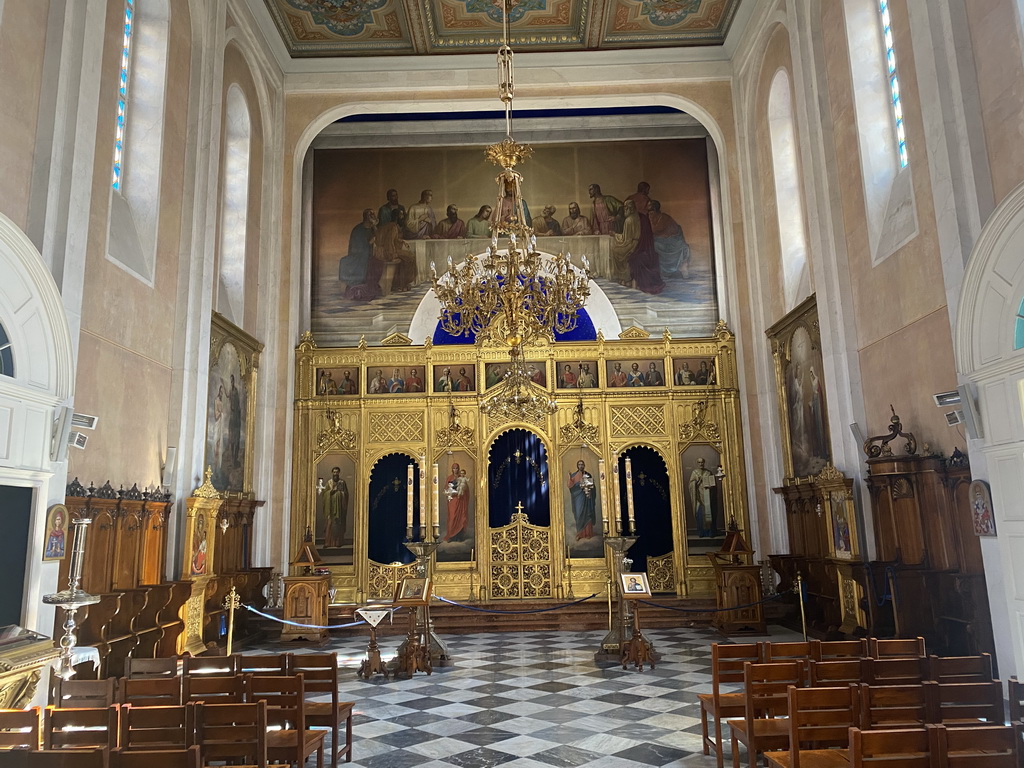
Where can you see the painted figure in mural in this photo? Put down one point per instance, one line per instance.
(378, 384)
(634, 585)
(981, 514)
(334, 497)
(635, 377)
(54, 549)
(480, 225)
(702, 481)
(413, 382)
(321, 383)
(816, 407)
(419, 224)
(669, 242)
(457, 492)
(617, 377)
(567, 378)
(606, 216)
(587, 379)
(234, 422)
(352, 268)
(841, 533)
(535, 374)
(797, 405)
(451, 227)
(348, 384)
(548, 225)
(644, 268)
(396, 383)
(199, 546)
(583, 494)
(653, 377)
(391, 210)
(495, 373)
(684, 376)
(574, 223)
(703, 374)
(624, 244)
(390, 248)
(445, 382)
(220, 425)
(332, 385)
(463, 383)
(641, 197)
(506, 204)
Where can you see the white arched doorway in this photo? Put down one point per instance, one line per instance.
(990, 299)
(32, 401)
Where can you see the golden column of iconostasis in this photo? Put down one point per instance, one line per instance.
(342, 422)
(198, 562)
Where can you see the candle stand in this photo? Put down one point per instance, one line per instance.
(424, 627)
(71, 599)
(611, 645)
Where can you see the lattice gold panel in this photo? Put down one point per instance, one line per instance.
(384, 579)
(396, 427)
(521, 560)
(638, 420)
(661, 573)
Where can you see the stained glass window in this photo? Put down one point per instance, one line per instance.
(6, 354)
(894, 83)
(1018, 331)
(122, 93)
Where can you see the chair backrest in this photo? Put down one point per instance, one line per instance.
(990, 746)
(19, 728)
(965, 704)
(960, 669)
(78, 728)
(893, 706)
(276, 664)
(837, 672)
(821, 717)
(138, 668)
(144, 728)
(894, 671)
(214, 689)
(792, 651)
(61, 758)
(843, 649)
(284, 696)
(727, 663)
(79, 694)
(164, 758)
(766, 686)
(896, 648)
(232, 731)
(1016, 699)
(319, 671)
(900, 748)
(149, 691)
(222, 666)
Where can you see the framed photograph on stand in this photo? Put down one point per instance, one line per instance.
(634, 585)
(413, 590)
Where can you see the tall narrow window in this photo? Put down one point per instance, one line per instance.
(122, 91)
(6, 354)
(894, 82)
(234, 205)
(1018, 331)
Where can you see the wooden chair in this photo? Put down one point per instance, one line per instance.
(285, 697)
(792, 651)
(896, 648)
(1016, 700)
(726, 667)
(82, 694)
(149, 728)
(79, 728)
(991, 746)
(320, 675)
(901, 748)
(837, 672)
(164, 758)
(271, 664)
(960, 669)
(819, 728)
(888, 707)
(894, 671)
(233, 732)
(149, 691)
(19, 729)
(965, 704)
(214, 689)
(135, 669)
(60, 758)
(764, 726)
(842, 649)
(214, 666)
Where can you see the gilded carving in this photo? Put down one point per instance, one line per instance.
(335, 434)
(383, 579)
(396, 427)
(661, 572)
(633, 332)
(206, 490)
(638, 420)
(521, 560)
(699, 426)
(396, 339)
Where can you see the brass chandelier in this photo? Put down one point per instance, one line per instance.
(515, 294)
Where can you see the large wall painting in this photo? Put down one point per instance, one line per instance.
(333, 523)
(641, 211)
(584, 534)
(457, 516)
(234, 361)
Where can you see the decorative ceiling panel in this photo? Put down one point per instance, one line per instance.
(385, 27)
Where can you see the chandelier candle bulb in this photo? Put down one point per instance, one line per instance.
(408, 506)
(603, 481)
(629, 496)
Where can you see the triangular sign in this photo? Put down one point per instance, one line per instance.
(373, 616)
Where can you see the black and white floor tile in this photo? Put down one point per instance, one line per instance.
(531, 700)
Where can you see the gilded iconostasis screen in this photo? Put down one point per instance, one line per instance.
(640, 210)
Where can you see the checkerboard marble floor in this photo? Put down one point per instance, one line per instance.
(531, 700)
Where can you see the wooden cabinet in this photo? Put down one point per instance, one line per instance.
(305, 602)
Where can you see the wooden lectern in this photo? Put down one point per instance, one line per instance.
(737, 588)
(306, 597)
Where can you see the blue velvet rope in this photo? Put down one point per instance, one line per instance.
(537, 610)
(296, 624)
(710, 610)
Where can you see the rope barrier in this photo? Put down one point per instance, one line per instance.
(710, 610)
(297, 624)
(536, 610)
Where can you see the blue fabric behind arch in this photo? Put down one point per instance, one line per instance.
(388, 507)
(511, 481)
(584, 331)
(651, 504)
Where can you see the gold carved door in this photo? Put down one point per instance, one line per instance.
(520, 560)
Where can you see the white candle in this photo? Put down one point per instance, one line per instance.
(408, 506)
(435, 512)
(629, 496)
(423, 496)
(617, 495)
(602, 485)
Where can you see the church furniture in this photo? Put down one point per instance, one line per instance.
(966, 704)
(737, 588)
(1016, 691)
(19, 729)
(156, 727)
(842, 649)
(992, 746)
(232, 732)
(895, 748)
(271, 664)
(727, 665)
(893, 706)
(894, 671)
(810, 650)
(137, 669)
(320, 675)
(218, 666)
(820, 720)
(289, 738)
(834, 672)
(908, 648)
(23, 658)
(79, 728)
(961, 669)
(188, 757)
(60, 758)
(764, 726)
(637, 650)
(149, 691)
(214, 689)
(72, 694)
(305, 602)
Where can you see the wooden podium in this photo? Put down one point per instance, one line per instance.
(737, 588)
(305, 602)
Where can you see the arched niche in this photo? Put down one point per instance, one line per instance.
(388, 506)
(518, 473)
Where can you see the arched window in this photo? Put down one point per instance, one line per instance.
(894, 83)
(122, 90)
(789, 200)
(234, 205)
(1018, 331)
(6, 354)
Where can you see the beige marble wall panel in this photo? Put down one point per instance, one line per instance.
(995, 36)
(22, 46)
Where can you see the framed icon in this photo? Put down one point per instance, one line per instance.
(634, 585)
(413, 591)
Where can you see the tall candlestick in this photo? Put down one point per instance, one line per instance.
(629, 496)
(618, 496)
(423, 497)
(408, 506)
(603, 485)
(435, 512)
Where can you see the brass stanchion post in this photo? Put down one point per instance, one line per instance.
(800, 594)
(231, 602)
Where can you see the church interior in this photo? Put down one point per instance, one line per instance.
(444, 315)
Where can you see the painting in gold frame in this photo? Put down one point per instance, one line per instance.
(796, 347)
(413, 590)
(634, 585)
(57, 519)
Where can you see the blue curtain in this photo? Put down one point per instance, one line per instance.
(651, 505)
(388, 506)
(517, 472)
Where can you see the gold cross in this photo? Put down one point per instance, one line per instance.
(519, 507)
(519, 456)
(643, 477)
(397, 483)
